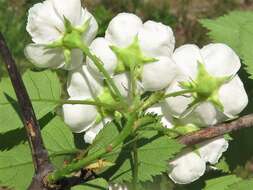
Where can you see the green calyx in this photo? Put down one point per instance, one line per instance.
(206, 87)
(131, 57)
(72, 39)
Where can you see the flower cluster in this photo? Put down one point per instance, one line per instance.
(139, 58)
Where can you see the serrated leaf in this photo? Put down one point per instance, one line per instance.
(235, 30)
(241, 185)
(16, 167)
(40, 85)
(96, 184)
(221, 183)
(154, 151)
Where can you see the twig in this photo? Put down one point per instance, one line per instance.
(40, 156)
(217, 130)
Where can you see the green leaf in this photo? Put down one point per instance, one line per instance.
(241, 185)
(221, 183)
(150, 144)
(96, 184)
(16, 167)
(40, 85)
(235, 30)
(223, 166)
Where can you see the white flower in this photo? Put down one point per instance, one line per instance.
(82, 83)
(187, 168)
(219, 61)
(212, 150)
(190, 166)
(79, 117)
(46, 25)
(155, 40)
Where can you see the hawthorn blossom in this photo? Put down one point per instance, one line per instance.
(129, 42)
(46, 25)
(213, 71)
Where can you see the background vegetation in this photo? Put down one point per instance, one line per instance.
(183, 16)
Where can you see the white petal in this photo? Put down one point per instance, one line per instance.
(156, 39)
(71, 9)
(187, 168)
(203, 115)
(82, 83)
(233, 97)
(176, 105)
(91, 134)
(44, 57)
(122, 82)
(220, 60)
(75, 61)
(158, 75)
(91, 32)
(43, 24)
(79, 117)
(212, 150)
(100, 47)
(187, 57)
(123, 29)
(166, 118)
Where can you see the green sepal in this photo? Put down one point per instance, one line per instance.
(131, 56)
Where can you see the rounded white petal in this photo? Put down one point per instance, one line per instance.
(156, 39)
(220, 60)
(43, 24)
(123, 29)
(233, 97)
(79, 117)
(82, 83)
(176, 105)
(158, 75)
(91, 133)
(187, 168)
(71, 9)
(187, 58)
(203, 115)
(43, 57)
(91, 32)
(100, 47)
(212, 150)
(166, 118)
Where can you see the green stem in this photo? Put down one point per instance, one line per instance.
(136, 166)
(82, 163)
(178, 93)
(159, 96)
(99, 65)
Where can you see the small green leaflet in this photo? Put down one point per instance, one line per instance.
(221, 183)
(235, 30)
(223, 166)
(96, 184)
(154, 151)
(40, 85)
(16, 167)
(242, 185)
